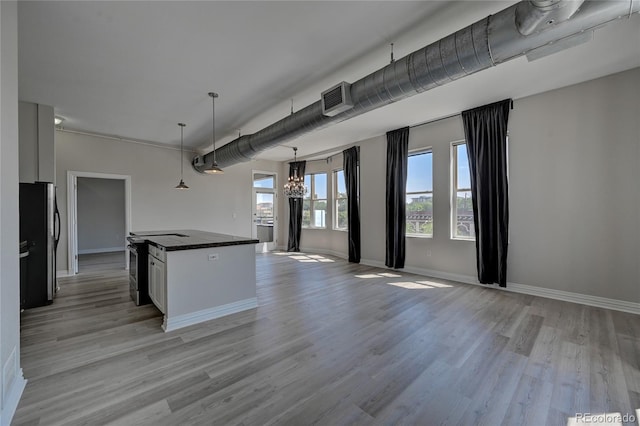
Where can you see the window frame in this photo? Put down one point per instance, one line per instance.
(420, 151)
(313, 201)
(454, 192)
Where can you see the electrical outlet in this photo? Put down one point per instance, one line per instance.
(214, 256)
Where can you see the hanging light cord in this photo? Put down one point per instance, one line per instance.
(181, 149)
(213, 124)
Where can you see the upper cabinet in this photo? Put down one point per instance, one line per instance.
(37, 161)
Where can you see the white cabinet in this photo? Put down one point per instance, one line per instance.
(37, 143)
(158, 282)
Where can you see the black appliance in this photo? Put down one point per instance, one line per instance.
(138, 282)
(40, 229)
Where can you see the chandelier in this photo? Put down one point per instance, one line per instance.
(294, 188)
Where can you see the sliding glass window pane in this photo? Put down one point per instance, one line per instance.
(419, 190)
(419, 172)
(464, 180)
(419, 213)
(342, 213)
(320, 186)
(307, 183)
(464, 215)
(342, 187)
(319, 213)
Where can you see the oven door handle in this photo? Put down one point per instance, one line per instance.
(132, 247)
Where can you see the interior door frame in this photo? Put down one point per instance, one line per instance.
(274, 191)
(72, 213)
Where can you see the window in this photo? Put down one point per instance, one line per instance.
(339, 201)
(462, 207)
(420, 194)
(314, 206)
(263, 180)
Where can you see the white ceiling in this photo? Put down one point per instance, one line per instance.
(135, 69)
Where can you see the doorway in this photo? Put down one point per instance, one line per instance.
(264, 227)
(98, 221)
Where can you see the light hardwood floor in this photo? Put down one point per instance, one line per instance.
(330, 343)
(94, 262)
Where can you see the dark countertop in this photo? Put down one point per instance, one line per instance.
(189, 239)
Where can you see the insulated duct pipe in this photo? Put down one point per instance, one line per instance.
(527, 27)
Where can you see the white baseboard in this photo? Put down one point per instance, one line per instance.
(101, 250)
(12, 398)
(185, 320)
(566, 296)
(62, 273)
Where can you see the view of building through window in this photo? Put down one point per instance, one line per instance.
(340, 201)
(420, 194)
(264, 214)
(314, 206)
(264, 208)
(463, 208)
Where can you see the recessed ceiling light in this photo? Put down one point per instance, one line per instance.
(58, 120)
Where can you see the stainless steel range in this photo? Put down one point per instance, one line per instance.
(138, 282)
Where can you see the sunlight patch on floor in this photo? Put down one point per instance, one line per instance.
(411, 285)
(306, 258)
(434, 284)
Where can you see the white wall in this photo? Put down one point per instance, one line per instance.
(574, 193)
(101, 215)
(11, 380)
(214, 203)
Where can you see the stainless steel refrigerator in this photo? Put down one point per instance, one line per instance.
(40, 229)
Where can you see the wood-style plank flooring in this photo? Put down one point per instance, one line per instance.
(94, 262)
(331, 343)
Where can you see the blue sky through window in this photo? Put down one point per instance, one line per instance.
(263, 182)
(419, 172)
(320, 185)
(342, 188)
(464, 181)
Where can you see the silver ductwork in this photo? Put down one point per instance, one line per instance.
(529, 27)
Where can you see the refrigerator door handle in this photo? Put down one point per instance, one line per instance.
(57, 225)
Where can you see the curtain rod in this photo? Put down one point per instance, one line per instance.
(435, 120)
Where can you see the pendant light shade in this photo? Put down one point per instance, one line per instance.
(213, 169)
(181, 185)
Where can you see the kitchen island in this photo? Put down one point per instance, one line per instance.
(196, 276)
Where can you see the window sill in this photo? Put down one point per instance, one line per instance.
(463, 239)
(340, 230)
(419, 236)
(316, 228)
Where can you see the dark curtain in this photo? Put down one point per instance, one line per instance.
(485, 130)
(295, 210)
(397, 159)
(350, 164)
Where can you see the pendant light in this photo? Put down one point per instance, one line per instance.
(181, 185)
(294, 188)
(213, 169)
